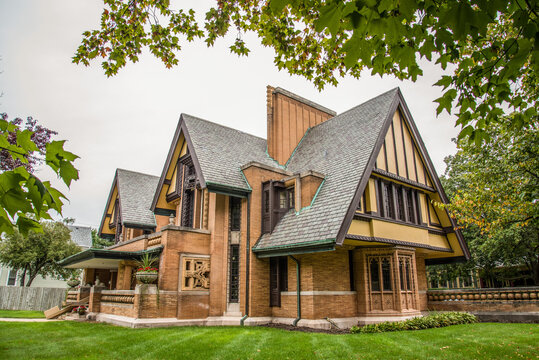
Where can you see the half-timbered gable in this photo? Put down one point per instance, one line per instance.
(127, 211)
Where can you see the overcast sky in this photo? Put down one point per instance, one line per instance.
(128, 121)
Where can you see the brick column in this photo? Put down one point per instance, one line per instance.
(94, 304)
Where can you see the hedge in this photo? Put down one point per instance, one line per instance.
(426, 322)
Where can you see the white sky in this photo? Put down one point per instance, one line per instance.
(128, 121)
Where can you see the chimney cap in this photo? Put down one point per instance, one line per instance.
(310, 103)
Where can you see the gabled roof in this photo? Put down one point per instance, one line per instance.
(344, 149)
(339, 148)
(135, 193)
(81, 235)
(218, 152)
(221, 151)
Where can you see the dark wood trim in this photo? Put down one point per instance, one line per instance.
(108, 215)
(168, 161)
(430, 168)
(366, 174)
(404, 146)
(164, 212)
(402, 179)
(385, 153)
(431, 222)
(109, 198)
(449, 229)
(167, 182)
(395, 242)
(436, 232)
(181, 128)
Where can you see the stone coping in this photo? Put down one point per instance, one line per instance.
(506, 289)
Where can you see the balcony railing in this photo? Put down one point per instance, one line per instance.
(118, 296)
(485, 295)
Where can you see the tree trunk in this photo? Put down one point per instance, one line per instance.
(23, 276)
(31, 278)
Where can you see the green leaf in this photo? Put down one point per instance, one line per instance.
(277, 6)
(24, 141)
(330, 17)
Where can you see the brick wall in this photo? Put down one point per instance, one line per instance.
(422, 281)
(193, 306)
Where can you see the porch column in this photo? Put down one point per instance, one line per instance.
(94, 304)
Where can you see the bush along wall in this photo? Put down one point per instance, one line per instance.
(427, 322)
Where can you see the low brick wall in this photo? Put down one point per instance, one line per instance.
(525, 299)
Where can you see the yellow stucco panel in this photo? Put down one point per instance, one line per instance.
(110, 210)
(387, 230)
(179, 150)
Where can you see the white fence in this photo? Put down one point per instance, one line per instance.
(30, 298)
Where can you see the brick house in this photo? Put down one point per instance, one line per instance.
(331, 217)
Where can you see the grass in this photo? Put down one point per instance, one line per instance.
(27, 314)
(72, 340)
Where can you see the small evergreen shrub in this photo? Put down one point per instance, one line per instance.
(418, 323)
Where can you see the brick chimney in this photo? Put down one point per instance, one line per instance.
(289, 118)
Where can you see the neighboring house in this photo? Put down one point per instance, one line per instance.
(331, 217)
(81, 235)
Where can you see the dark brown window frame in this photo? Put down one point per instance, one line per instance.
(390, 207)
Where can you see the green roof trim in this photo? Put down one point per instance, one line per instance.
(293, 249)
(107, 254)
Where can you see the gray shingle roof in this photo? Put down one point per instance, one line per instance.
(340, 149)
(136, 191)
(221, 151)
(81, 235)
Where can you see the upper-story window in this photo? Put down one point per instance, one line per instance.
(276, 201)
(398, 202)
(235, 213)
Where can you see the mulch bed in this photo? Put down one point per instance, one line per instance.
(333, 330)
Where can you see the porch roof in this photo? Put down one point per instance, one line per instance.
(103, 259)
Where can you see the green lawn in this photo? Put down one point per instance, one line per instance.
(72, 340)
(21, 314)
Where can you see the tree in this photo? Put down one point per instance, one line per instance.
(491, 45)
(497, 185)
(494, 192)
(38, 253)
(98, 242)
(24, 198)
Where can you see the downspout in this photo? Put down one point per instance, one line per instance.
(298, 291)
(247, 260)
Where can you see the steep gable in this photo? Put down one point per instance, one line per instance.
(339, 148)
(347, 149)
(130, 197)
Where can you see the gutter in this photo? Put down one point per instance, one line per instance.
(298, 291)
(247, 260)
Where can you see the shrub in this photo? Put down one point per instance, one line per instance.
(418, 323)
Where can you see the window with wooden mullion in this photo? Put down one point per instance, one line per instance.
(380, 274)
(398, 202)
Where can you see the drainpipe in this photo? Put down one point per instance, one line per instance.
(247, 259)
(298, 291)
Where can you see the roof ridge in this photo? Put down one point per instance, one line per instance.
(223, 126)
(355, 107)
(136, 172)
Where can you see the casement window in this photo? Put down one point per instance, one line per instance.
(398, 202)
(278, 279)
(277, 200)
(380, 273)
(235, 213)
(234, 274)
